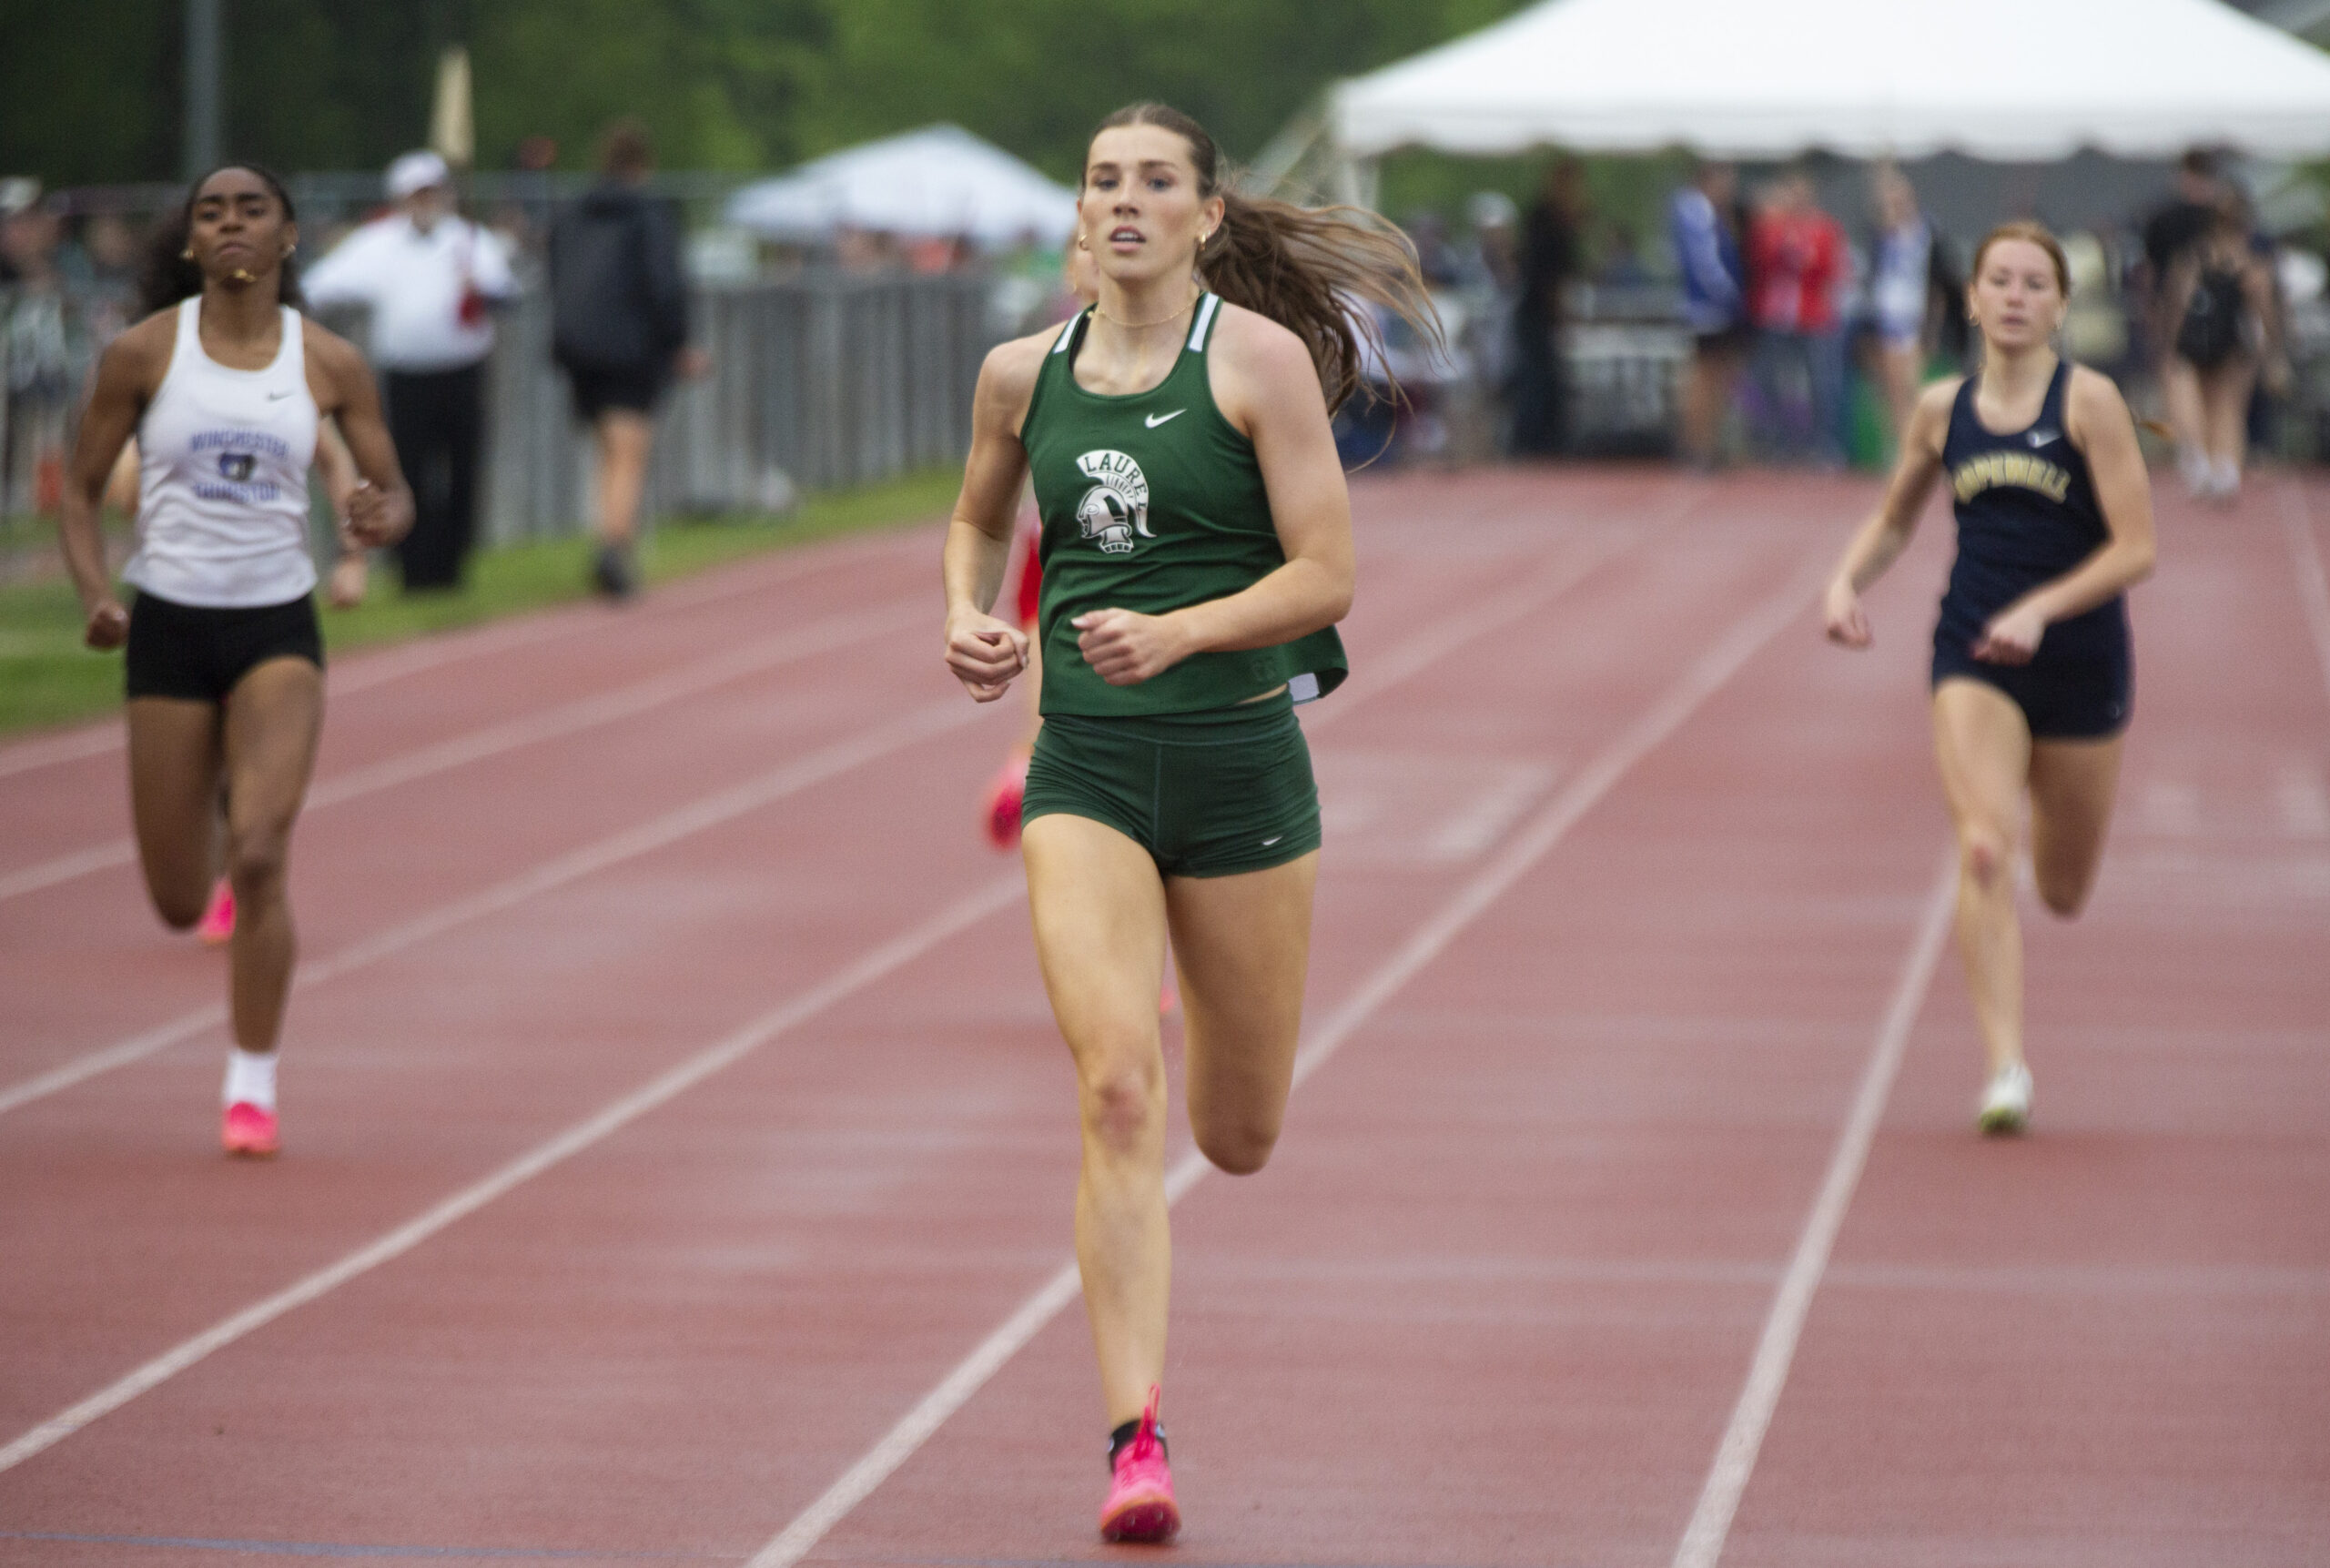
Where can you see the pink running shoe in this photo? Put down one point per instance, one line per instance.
(1140, 1506)
(217, 927)
(249, 1131)
(1003, 798)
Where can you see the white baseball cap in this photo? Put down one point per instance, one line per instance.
(416, 171)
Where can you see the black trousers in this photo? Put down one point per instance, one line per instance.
(437, 419)
(1540, 389)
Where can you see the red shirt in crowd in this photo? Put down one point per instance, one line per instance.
(1794, 260)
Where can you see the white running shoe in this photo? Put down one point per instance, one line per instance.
(2006, 1102)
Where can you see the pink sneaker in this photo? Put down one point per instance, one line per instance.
(249, 1131)
(1140, 1506)
(217, 927)
(1003, 798)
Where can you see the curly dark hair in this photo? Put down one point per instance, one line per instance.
(170, 275)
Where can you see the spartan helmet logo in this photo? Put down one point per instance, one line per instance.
(1116, 506)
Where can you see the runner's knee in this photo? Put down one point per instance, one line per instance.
(1237, 1145)
(255, 859)
(1124, 1106)
(178, 909)
(2064, 891)
(1985, 856)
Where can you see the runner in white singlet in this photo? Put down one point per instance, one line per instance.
(224, 385)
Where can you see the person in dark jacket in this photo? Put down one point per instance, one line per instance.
(620, 331)
(1549, 260)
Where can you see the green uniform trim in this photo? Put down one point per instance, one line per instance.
(1152, 502)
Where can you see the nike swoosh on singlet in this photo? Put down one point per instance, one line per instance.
(2041, 437)
(1156, 420)
(285, 392)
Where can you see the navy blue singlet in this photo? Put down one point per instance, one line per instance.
(2027, 515)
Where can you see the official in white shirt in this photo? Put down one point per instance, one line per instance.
(428, 276)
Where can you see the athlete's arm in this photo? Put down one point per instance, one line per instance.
(379, 509)
(2097, 422)
(125, 376)
(1266, 385)
(985, 652)
(1887, 533)
(350, 572)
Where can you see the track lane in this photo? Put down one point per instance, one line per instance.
(372, 855)
(774, 846)
(1520, 1240)
(2106, 1343)
(751, 1112)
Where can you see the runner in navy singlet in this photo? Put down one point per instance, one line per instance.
(2031, 661)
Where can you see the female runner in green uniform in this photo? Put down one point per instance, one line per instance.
(1197, 554)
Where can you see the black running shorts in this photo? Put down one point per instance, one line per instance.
(189, 651)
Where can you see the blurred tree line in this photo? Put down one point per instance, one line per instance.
(91, 90)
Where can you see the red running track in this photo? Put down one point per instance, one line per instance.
(671, 1107)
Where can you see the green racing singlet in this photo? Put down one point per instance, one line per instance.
(1152, 501)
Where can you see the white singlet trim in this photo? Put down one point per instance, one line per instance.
(1205, 320)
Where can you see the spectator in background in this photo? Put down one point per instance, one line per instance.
(1549, 258)
(2170, 232)
(1702, 222)
(1796, 254)
(2222, 296)
(1900, 295)
(37, 358)
(1622, 264)
(1437, 258)
(427, 275)
(619, 328)
(1492, 274)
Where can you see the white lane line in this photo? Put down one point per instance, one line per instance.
(2313, 587)
(942, 716)
(1398, 663)
(1735, 1456)
(544, 724)
(967, 1378)
(874, 966)
(867, 745)
(1417, 654)
(897, 1445)
(378, 669)
(71, 747)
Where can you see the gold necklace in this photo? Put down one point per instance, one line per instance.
(1137, 326)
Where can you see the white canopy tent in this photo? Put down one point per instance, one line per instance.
(939, 181)
(2011, 80)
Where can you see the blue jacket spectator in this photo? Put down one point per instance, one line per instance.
(1708, 254)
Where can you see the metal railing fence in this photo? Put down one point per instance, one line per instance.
(819, 380)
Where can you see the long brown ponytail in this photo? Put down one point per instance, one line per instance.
(1312, 270)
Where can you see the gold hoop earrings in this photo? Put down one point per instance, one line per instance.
(186, 255)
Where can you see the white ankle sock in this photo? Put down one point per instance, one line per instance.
(251, 1078)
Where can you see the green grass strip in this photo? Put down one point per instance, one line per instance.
(47, 677)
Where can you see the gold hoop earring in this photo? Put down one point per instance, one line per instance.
(186, 255)
(1081, 244)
